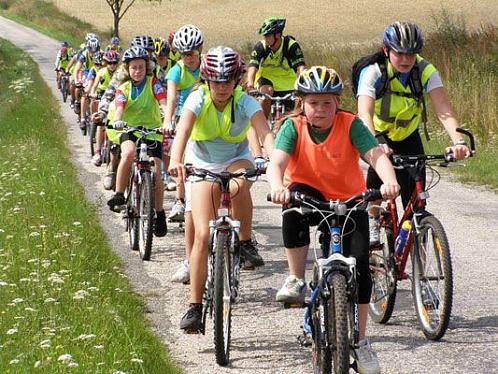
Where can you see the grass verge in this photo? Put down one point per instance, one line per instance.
(65, 305)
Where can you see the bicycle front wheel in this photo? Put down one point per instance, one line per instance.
(338, 322)
(432, 278)
(222, 298)
(64, 89)
(131, 196)
(384, 279)
(146, 215)
(321, 345)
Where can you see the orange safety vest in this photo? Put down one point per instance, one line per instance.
(331, 167)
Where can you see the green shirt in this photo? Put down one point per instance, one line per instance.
(360, 137)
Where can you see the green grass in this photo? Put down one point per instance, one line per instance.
(62, 290)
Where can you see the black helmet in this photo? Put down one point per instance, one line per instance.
(403, 37)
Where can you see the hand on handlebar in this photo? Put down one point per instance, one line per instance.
(177, 170)
(261, 163)
(389, 190)
(459, 152)
(280, 195)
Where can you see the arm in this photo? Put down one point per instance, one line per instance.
(444, 113)
(258, 122)
(251, 74)
(366, 111)
(77, 70)
(170, 104)
(183, 131)
(384, 169)
(275, 172)
(93, 89)
(254, 143)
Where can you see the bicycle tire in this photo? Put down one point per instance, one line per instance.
(432, 266)
(384, 278)
(320, 347)
(91, 138)
(64, 90)
(131, 213)
(339, 320)
(146, 215)
(222, 298)
(106, 152)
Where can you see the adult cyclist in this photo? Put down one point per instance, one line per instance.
(398, 110)
(114, 46)
(275, 62)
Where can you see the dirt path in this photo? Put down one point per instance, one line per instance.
(264, 334)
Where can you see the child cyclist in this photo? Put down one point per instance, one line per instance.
(317, 152)
(216, 118)
(138, 102)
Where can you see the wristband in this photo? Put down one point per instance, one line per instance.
(460, 142)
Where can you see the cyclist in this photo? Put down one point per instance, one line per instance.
(164, 63)
(275, 62)
(138, 102)
(174, 55)
(114, 46)
(102, 80)
(216, 118)
(317, 152)
(62, 61)
(398, 110)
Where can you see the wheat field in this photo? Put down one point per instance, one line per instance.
(235, 23)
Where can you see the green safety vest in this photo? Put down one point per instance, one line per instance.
(161, 73)
(209, 126)
(276, 68)
(187, 79)
(143, 110)
(89, 61)
(398, 110)
(175, 56)
(105, 77)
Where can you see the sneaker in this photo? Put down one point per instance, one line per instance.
(117, 202)
(160, 226)
(249, 255)
(366, 358)
(177, 212)
(97, 159)
(82, 124)
(170, 184)
(182, 275)
(192, 320)
(374, 225)
(72, 104)
(292, 291)
(109, 181)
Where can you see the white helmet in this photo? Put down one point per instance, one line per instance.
(188, 38)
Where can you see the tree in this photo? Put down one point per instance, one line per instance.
(119, 9)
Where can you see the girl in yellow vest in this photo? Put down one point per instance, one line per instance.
(137, 103)
(398, 111)
(216, 117)
(317, 152)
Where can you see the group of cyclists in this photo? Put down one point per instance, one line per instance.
(201, 102)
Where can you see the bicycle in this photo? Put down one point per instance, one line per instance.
(428, 246)
(331, 317)
(222, 285)
(139, 194)
(64, 86)
(92, 131)
(277, 109)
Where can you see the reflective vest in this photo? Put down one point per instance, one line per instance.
(175, 56)
(209, 126)
(399, 110)
(105, 77)
(88, 64)
(187, 79)
(161, 73)
(143, 110)
(276, 68)
(331, 167)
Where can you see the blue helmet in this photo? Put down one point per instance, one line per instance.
(403, 37)
(115, 40)
(65, 44)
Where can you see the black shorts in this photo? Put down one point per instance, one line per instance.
(155, 148)
(409, 146)
(296, 233)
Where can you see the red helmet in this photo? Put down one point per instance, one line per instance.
(221, 64)
(111, 57)
(63, 51)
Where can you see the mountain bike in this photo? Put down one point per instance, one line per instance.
(222, 285)
(92, 125)
(331, 317)
(139, 194)
(426, 244)
(64, 84)
(277, 109)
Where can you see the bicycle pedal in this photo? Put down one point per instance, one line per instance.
(304, 340)
(295, 305)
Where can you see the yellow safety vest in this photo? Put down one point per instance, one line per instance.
(104, 76)
(399, 111)
(209, 126)
(187, 79)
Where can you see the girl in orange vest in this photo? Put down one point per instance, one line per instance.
(317, 152)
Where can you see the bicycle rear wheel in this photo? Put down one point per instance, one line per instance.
(384, 279)
(222, 298)
(146, 215)
(64, 89)
(432, 278)
(131, 196)
(338, 322)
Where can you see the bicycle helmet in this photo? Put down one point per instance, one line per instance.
(93, 45)
(221, 64)
(318, 80)
(403, 37)
(188, 38)
(115, 40)
(98, 58)
(111, 57)
(163, 48)
(135, 53)
(272, 25)
(65, 44)
(144, 41)
(91, 35)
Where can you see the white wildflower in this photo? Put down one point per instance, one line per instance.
(34, 233)
(85, 336)
(76, 223)
(12, 331)
(137, 360)
(37, 364)
(50, 300)
(14, 361)
(65, 358)
(45, 344)
(100, 346)
(72, 364)
(17, 300)
(81, 294)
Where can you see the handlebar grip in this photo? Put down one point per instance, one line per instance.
(268, 197)
(372, 195)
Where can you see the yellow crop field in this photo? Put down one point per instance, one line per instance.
(313, 23)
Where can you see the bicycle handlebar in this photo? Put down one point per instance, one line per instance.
(224, 175)
(143, 130)
(256, 93)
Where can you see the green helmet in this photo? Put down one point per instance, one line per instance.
(272, 25)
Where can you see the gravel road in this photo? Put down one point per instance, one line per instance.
(264, 334)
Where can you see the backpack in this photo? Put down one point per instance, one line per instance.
(414, 81)
(285, 50)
